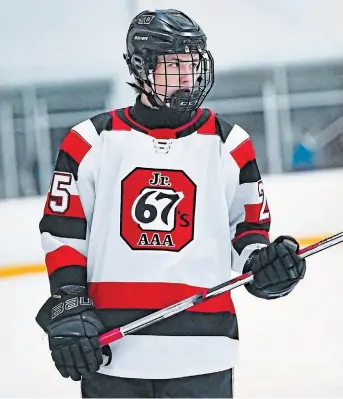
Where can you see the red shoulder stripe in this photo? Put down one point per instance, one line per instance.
(117, 123)
(75, 145)
(209, 127)
(243, 153)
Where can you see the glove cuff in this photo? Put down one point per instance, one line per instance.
(71, 290)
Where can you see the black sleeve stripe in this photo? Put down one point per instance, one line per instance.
(223, 128)
(64, 226)
(249, 226)
(102, 122)
(68, 275)
(249, 173)
(249, 239)
(65, 163)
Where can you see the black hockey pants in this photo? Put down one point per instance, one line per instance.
(214, 385)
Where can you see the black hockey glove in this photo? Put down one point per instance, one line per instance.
(277, 268)
(70, 320)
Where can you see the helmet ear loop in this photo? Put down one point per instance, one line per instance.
(128, 63)
(143, 76)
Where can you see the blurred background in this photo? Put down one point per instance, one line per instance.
(279, 74)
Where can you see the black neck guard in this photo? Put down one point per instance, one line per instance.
(153, 118)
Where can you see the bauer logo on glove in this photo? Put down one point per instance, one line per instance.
(70, 304)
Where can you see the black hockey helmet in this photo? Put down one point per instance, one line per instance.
(167, 33)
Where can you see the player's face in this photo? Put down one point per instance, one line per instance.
(174, 72)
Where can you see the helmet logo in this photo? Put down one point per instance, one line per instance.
(145, 19)
(141, 37)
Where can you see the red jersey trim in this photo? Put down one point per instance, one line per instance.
(163, 133)
(75, 145)
(64, 256)
(252, 213)
(209, 127)
(142, 295)
(74, 208)
(117, 123)
(243, 153)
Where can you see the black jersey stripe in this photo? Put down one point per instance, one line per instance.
(65, 163)
(102, 122)
(64, 226)
(182, 324)
(249, 173)
(68, 275)
(223, 128)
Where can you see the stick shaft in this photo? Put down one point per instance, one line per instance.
(178, 307)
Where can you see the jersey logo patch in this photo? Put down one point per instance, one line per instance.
(157, 209)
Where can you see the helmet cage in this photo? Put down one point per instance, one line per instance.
(169, 91)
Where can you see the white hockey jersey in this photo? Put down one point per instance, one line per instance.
(147, 218)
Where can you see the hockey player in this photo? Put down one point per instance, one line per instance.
(148, 205)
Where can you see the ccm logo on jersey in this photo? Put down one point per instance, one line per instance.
(157, 209)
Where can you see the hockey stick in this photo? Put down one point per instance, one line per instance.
(120, 332)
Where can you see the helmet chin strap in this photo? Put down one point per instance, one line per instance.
(150, 96)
